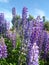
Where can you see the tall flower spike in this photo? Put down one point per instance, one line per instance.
(47, 46)
(14, 39)
(24, 13)
(3, 48)
(33, 55)
(13, 11)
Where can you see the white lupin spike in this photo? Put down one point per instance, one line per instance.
(35, 54)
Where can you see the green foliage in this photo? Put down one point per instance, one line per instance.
(3, 62)
(30, 17)
(41, 62)
(43, 18)
(44, 61)
(15, 21)
(46, 25)
(17, 17)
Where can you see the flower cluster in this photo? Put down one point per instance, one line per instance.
(24, 13)
(4, 26)
(14, 39)
(3, 48)
(33, 55)
(12, 36)
(47, 46)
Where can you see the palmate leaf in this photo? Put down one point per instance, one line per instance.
(41, 62)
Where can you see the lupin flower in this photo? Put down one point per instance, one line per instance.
(47, 46)
(12, 36)
(45, 41)
(24, 13)
(33, 55)
(14, 39)
(3, 48)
